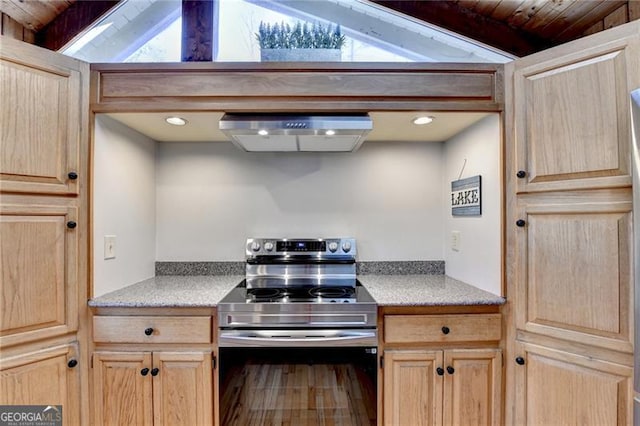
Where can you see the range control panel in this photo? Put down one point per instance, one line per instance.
(325, 247)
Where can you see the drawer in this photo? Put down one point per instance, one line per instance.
(151, 329)
(442, 328)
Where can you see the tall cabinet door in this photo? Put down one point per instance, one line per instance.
(182, 388)
(39, 270)
(41, 107)
(568, 230)
(412, 388)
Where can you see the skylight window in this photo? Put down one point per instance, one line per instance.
(151, 31)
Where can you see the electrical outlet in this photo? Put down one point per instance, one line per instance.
(455, 240)
(109, 246)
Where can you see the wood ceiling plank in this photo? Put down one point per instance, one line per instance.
(486, 7)
(617, 17)
(527, 11)
(468, 4)
(21, 13)
(451, 16)
(581, 21)
(505, 9)
(547, 14)
(72, 22)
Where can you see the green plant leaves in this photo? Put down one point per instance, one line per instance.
(300, 36)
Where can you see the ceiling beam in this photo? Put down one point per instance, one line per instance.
(197, 30)
(72, 22)
(453, 17)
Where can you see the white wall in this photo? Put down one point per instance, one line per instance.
(124, 205)
(478, 261)
(212, 196)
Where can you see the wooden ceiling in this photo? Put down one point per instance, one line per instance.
(520, 27)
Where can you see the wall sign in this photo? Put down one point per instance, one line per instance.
(465, 197)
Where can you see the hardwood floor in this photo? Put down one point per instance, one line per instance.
(297, 394)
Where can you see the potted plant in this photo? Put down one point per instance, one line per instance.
(300, 42)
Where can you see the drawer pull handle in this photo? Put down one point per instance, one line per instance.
(72, 363)
(148, 331)
(440, 371)
(71, 224)
(155, 372)
(519, 360)
(445, 330)
(144, 371)
(72, 175)
(520, 223)
(521, 174)
(450, 370)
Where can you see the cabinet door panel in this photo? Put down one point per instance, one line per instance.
(182, 389)
(573, 120)
(576, 281)
(472, 393)
(39, 264)
(43, 378)
(555, 387)
(121, 394)
(412, 389)
(43, 118)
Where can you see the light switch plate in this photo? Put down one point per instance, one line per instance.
(109, 247)
(455, 240)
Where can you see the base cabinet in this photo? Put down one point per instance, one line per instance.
(152, 388)
(44, 377)
(450, 387)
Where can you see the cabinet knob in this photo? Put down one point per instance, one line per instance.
(71, 224)
(520, 223)
(445, 330)
(148, 331)
(72, 363)
(450, 370)
(144, 371)
(440, 371)
(72, 175)
(155, 372)
(521, 174)
(519, 360)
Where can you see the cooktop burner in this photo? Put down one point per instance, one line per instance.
(317, 294)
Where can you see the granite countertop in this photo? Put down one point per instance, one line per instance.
(172, 291)
(425, 290)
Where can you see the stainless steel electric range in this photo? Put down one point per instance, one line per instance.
(297, 338)
(299, 292)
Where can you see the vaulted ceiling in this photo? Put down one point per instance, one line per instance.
(516, 26)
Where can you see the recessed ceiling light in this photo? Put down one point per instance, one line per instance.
(424, 119)
(176, 121)
(263, 132)
(330, 132)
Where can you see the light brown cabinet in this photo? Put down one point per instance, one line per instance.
(152, 388)
(569, 203)
(442, 369)
(44, 227)
(152, 369)
(451, 387)
(43, 377)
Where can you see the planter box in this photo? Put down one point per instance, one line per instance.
(300, 55)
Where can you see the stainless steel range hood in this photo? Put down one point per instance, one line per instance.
(309, 133)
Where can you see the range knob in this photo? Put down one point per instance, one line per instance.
(268, 246)
(255, 246)
(333, 246)
(346, 246)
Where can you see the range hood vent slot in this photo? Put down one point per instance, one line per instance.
(305, 133)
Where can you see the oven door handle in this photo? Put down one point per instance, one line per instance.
(297, 338)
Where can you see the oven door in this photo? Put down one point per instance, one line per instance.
(298, 385)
